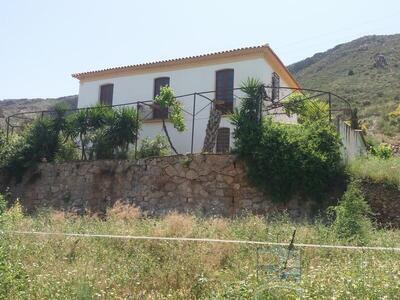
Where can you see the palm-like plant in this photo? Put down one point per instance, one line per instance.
(247, 119)
(78, 127)
(124, 128)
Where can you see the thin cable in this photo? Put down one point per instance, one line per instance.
(131, 237)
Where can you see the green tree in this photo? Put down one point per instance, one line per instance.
(167, 99)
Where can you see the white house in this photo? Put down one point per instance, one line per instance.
(212, 75)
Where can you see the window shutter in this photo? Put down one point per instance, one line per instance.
(224, 90)
(106, 94)
(223, 140)
(158, 112)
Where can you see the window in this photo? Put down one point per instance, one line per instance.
(224, 90)
(275, 86)
(158, 112)
(223, 140)
(106, 94)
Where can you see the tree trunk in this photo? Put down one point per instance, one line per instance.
(168, 137)
(214, 121)
(83, 153)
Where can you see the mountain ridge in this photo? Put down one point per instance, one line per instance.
(366, 71)
(9, 107)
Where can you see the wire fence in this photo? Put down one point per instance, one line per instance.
(199, 240)
(266, 268)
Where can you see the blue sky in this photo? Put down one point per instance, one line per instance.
(43, 42)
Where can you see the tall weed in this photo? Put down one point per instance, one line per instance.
(352, 222)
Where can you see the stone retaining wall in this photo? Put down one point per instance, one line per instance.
(207, 184)
(384, 201)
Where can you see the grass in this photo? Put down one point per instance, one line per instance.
(377, 170)
(33, 267)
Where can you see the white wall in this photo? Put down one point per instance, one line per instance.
(353, 144)
(184, 81)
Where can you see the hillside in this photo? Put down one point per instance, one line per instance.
(366, 71)
(12, 106)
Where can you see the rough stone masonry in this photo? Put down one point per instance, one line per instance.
(204, 184)
(207, 184)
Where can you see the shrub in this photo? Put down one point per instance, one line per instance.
(352, 222)
(101, 145)
(101, 132)
(383, 151)
(247, 122)
(394, 118)
(157, 147)
(68, 151)
(292, 159)
(85, 124)
(284, 159)
(123, 130)
(39, 142)
(104, 133)
(350, 73)
(9, 147)
(306, 109)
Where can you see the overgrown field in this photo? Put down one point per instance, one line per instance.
(38, 267)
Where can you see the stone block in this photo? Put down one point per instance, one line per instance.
(228, 179)
(219, 192)
(170, 187)
(170, 171)
(191, 174)
(219, 178)
(236, 186)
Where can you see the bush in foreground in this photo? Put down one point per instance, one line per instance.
(352, 222)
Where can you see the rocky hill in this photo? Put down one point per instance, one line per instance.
(366, 71)
(12, 106)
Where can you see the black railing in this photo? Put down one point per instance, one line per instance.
(337, 105)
